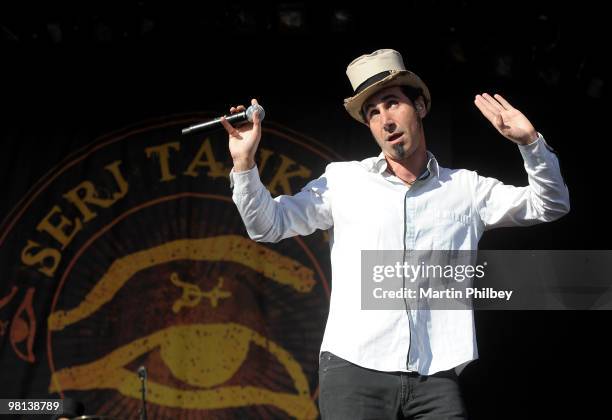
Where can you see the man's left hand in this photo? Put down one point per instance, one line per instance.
(510, 122)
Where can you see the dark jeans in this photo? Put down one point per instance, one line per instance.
(348, 391)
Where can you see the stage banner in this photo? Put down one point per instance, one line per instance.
(130, 252)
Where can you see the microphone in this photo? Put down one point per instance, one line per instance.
(142, 375)
(234, 119)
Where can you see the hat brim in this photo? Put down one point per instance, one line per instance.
(354, 104)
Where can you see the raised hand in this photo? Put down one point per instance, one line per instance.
(244, 139)
(509, 121)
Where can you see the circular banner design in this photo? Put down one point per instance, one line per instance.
(132, 254)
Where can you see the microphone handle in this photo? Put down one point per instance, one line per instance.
(236, 118)
(142, 374)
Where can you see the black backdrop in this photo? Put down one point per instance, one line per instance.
(115, 65)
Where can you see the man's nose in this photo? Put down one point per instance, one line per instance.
(388, 122)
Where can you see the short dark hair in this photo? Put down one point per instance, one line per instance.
(410, 92)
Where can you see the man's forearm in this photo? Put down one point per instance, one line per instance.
(545, 179)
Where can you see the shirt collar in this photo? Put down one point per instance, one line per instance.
(380, 165)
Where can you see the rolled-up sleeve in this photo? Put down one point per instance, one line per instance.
(545, 199)
(270, 219)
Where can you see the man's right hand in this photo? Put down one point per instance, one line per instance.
(243, 140)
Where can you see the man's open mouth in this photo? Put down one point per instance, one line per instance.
(394, 137)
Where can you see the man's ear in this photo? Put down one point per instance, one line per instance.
(419, 104)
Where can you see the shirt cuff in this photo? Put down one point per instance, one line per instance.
(245, 182)
(536, 152)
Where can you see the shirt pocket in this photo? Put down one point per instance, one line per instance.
(451, 229)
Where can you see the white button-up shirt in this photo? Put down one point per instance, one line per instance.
(363, 206)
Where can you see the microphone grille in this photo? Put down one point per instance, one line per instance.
(251, 110)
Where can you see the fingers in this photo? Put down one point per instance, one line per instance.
(491, 101)
(497, 101)
(228, 127)
(241, 108)
(235, 109)
(256, 121)
(256, 116)
(502, 101)
(232, 131)
(486, 108)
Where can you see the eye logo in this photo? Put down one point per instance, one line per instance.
(200, 355)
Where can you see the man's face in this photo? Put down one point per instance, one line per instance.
(395, 122)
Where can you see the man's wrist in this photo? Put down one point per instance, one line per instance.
(532, 137)
(242, 165)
